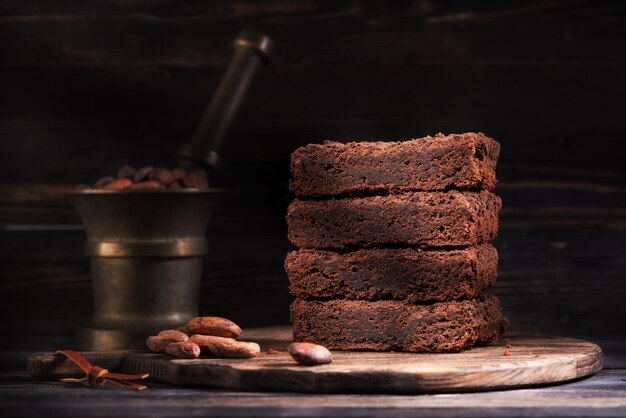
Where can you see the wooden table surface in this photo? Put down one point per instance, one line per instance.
(603, 394)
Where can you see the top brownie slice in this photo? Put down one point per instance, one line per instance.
(461, 161)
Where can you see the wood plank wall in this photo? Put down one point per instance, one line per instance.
(89, 86)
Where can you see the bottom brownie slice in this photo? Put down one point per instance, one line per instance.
(397, 326)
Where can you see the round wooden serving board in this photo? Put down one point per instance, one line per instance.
(526, 361)
(531, 360)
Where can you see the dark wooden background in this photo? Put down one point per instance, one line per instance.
(90, 85)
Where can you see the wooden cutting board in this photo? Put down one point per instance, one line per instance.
(529, 361)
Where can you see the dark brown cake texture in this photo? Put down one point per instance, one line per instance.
(460, 161)
(397, 326)
(409, 274)
(424, 219)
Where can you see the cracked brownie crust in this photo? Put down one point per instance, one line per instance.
(397, 326)
(462, 161)
(409, 274)
(423, 219)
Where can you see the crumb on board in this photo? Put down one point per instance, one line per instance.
(273, 352)
(506, 352)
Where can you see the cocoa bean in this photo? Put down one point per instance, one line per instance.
(126, 172)
(173, 334)
(104, 181)
(150, 184)
(158, 344)
(309, 354)
(213, 325)
(118, 184)
(240, 349)
(225, 347)
(196, 180)
(162, 175)
(142, 174)
(183, 349)
(207, 342)
(179, 173)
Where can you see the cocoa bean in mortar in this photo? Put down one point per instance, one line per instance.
(150, 184)
(142, 174)
(179, 173)
(196, 180)
(119, 184)
(154, 178)
(162, 175)
(104, 181)
(126, 172)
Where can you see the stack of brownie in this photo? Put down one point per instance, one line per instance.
(393, 239)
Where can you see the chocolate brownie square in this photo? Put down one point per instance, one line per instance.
(424, 219)
(397, 326)
(460, 161)
(409, 274)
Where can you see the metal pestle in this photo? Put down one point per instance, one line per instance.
(252, 50)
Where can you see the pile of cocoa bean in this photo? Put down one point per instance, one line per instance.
(152, 178)
(209, 335)
(215, 336)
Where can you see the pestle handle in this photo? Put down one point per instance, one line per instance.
(252, 50)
